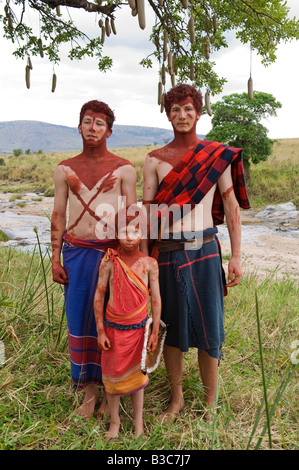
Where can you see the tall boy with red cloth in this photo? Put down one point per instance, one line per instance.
(188, 171)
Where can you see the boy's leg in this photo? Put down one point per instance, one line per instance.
(91, 397)
(173, 358)
(137, 402)
(208, 367)
(103, 409)
(113, 406)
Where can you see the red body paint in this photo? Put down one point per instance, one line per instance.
(91, 172)
(183, 117)
(102, 173)
(227, 192)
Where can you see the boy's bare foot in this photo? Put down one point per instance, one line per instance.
(90, 400)
(113, 430)
(172, 411)
(103, 410)
(139, 433)
(207, 416)
(138, 429)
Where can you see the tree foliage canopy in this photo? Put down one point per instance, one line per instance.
(236, 121)
(185, 33)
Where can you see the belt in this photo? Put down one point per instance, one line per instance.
(165, 246)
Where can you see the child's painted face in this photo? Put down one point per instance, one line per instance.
(183, 116)
(129, 237)
(94, 128)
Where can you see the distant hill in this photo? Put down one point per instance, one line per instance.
(36, 135)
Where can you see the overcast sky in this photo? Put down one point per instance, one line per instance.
(131, 90)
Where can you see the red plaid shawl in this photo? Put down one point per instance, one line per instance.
(191, 179)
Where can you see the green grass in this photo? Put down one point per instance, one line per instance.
(276, 180)
(3, 237)
(37, 402)
(257, 405)
(34, 173)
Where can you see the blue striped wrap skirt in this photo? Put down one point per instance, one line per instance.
(192, 289)
(82, 267)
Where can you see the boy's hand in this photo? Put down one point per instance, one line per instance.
(103, 342)
(234, 272)
(59, 274)
(152, 342)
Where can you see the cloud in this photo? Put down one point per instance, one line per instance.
(130, 89)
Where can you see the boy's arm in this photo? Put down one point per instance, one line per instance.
(99, 300)
(233, 220)
(128, 184)
(58, 224)
(155, 303)
(150, 185)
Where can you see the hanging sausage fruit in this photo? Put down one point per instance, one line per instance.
(40, 47)
(191, 30)
(54, 81)
(141, 13)
(250, 88)
(206, 47)
(27, 76)
(159, 93)
(112, 23)
(207, 103)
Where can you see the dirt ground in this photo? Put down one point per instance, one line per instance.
(270, 253)
(266, 253)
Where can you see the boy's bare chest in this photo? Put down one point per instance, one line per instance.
(167, 160)
(162, 169)
(96, 180)
(91, 174)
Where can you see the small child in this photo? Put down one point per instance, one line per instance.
(128, 274)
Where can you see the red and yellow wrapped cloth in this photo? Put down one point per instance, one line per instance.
(124, 325)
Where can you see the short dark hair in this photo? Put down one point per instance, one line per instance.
(98, 107)
(179, 93)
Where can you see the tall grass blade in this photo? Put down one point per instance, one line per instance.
(59, 334)
(27, 278)
(269, 379)
(44, 280)
(215, 414)
(289, 374)
(262, 369)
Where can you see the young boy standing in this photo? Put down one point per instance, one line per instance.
(129, 274)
